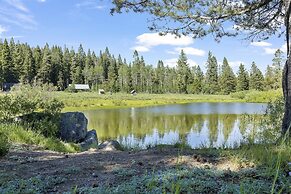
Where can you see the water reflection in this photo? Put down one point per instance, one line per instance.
(199, 125)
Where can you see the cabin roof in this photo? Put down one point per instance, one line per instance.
(81, 86)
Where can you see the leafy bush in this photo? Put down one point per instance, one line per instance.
(25, 101)
(272, 120)
(4, 143)
(239, 95)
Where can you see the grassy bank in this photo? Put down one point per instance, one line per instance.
(92, 100)
(17, 134)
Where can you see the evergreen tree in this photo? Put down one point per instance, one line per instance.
(7, 65)
(136, 72)
(211, 76)
(197, 84)
(44, 74)
(242, 79)
(113, 76)
(256, 78)
(29, 69)
(18, 60)
(277, 66)
(269, 78)
(228, 79)
(66, 67)
(182, 73)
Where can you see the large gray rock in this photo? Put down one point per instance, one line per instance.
(110, 145)
(90, 141)
(73, 126)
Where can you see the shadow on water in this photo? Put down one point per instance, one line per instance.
(198, 125)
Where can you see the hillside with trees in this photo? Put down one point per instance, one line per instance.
(21, 63)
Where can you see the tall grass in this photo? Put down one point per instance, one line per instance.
(19, 134)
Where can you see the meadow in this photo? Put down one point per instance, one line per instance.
(92, 100)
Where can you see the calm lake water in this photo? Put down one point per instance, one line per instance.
(197, 124)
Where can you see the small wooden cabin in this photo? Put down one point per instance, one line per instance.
(82, 87)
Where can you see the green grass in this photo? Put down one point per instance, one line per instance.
(19, 135)
(92, 100)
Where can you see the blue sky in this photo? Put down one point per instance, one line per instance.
(88, 22)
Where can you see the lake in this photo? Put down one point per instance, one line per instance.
(197, 124)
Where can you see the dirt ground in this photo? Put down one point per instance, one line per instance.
(96, 167)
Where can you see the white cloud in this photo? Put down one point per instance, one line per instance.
(18, 4)
(270, 51)
(154, 39)
(261, 44)
(173, 62)
(148, 40)
(42, 1)
(188, 51)
(15, 12)
(90, 4)
(2, 29)
(140, 49)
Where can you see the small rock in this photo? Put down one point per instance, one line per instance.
(91, 141)
(111, 145)
(94, 175)
(140, 163)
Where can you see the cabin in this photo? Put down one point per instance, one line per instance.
(133, 92)
(81, 87)
(6, 87)
(101, 91)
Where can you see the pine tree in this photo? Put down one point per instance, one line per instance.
(160, 77)
(269, 78)
(18, 60)
(228, 79)
(256, 78)
(29, 68)
(7, 65)
(113, 76)
(67, 67)
(44, 74)
(211, 76)
(129, 79)
(242, 79)
(182, 73)
(277, 66)
(197, 86)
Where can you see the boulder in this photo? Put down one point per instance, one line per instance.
(73, 126)
(90, 141)
(110, 145)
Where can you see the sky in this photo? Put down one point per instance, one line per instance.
(89, 22)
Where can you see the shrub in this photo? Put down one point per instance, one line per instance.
(272, 120)
(27, 99)
(4, 143)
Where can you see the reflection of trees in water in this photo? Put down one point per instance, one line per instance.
(228, 122)
(116, 123)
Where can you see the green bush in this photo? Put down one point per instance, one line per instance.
(239, 95)
(35, 106)
(272, 120)
(4, 143)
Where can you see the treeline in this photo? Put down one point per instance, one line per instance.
(21, 63)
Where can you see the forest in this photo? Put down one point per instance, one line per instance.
(61, 66)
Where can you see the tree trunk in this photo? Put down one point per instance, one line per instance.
(287, 96)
